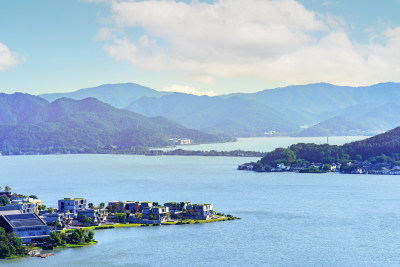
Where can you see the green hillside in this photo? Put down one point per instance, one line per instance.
(71, 125)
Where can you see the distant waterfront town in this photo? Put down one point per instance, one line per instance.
(36, 225)
(351, 167)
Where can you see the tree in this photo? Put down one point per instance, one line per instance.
(90, 236)
(91, 206)
(82, 218)
(10, 244)
(33, 196)
(138, 215)
(4, 201)
(102, 205)
(327, 167)
(50, 210)
(283, 155)
(75, 238)
(88, 220)
(42, 207)
(7, 188)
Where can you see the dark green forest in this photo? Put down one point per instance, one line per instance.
(384, 147)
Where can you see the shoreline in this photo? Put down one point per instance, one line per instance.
(130, 225)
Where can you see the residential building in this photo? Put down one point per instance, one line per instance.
(201, 212)
(29, 227)
(98, 216)
(57, 219)
(71, 205)
(155, 213)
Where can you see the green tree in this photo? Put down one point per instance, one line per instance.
(90, 236)
(283, 155)
(4, 201)
(7, 188)
(75, 238)
(327, 167)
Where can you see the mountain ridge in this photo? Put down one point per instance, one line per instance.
(89, 123)
(281, 111)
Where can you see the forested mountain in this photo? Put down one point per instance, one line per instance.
(76, 124)
(336, 126)
(21, 108)
(385, 147)
(387, 143)
(282, 110)
(117, 95)
(232, 116)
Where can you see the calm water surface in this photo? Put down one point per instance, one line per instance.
(288, 219)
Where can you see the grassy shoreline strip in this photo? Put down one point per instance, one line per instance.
(128, 225)
(79, 245)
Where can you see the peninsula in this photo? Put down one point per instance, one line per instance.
(376, 155)
(27, 226)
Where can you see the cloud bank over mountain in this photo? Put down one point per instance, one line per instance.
(272, 41)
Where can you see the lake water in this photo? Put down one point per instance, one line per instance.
(266, 144)
(289, 219)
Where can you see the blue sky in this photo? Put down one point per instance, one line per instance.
(201, 47)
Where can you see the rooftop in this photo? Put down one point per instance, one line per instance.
(24, 220)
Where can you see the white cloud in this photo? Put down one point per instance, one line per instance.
(187, 90)
(272, 41)
(330, 3)
(8, 59)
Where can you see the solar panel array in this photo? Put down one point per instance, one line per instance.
(21, 216)
(24, 220)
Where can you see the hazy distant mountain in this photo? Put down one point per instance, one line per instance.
(118, 95)
(322, 97)
(336, 126)
(233, 116)
(282, 110)
(88, 123)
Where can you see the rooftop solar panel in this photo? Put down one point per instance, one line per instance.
(21, 216)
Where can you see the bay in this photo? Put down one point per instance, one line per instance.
(288, 219)
(266, 144)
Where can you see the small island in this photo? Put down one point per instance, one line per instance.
(376, 155)
(27, 226)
